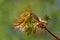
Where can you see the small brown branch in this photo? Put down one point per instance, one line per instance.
(51, 33)
(34, 16)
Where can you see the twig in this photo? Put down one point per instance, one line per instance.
(51, 33)
(34, 16)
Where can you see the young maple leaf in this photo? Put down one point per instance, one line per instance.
(28, 22)
(23, 20)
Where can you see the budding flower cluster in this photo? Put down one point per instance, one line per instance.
(26, 22)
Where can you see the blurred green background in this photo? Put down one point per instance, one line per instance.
(10, 9)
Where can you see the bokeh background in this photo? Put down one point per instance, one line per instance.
(10, 9)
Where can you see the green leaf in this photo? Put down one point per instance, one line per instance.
(46, 18)
(34, 30)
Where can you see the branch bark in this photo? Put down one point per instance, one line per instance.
(51, 33)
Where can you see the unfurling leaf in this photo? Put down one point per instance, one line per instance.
(28, 22)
